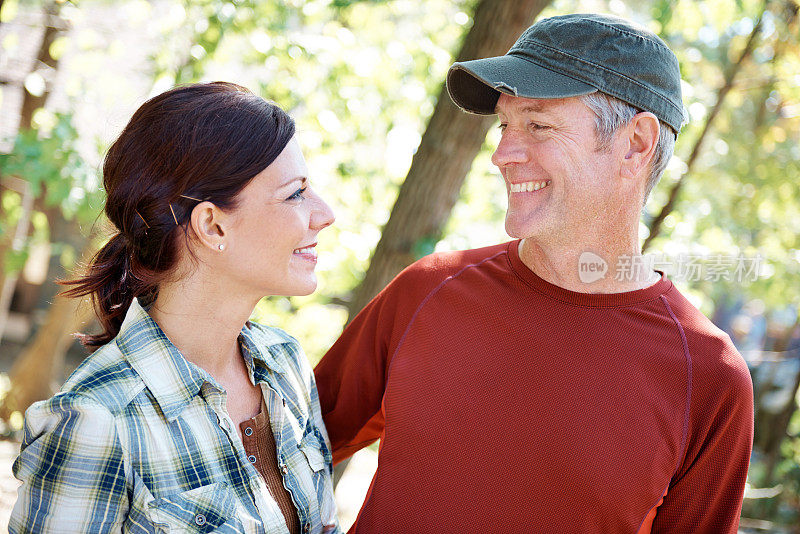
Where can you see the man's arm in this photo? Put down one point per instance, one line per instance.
(351, 379)
(705, 495)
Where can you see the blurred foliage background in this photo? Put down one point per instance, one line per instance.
(362, 79)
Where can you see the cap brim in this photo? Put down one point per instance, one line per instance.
(475, 86)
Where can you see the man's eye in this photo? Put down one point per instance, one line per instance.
(535, 127)
(298, 195)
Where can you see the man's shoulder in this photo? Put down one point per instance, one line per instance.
(714, 357)
(439, 266)
(425, 277)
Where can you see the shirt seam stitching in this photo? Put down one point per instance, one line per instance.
(428, 297)
(655, 505)
(687, 412)
(685, 430)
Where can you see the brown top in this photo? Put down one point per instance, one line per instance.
(259, 444)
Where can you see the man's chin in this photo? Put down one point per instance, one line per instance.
(520, 231)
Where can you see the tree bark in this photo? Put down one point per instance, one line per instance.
(450, 143)
(770, 444)
(54, 25)
(30, 103)
(36, 369)
(445, 154)
(41, 362)
(42, 359)
(13, 242)
(33, 374)
(730, 77)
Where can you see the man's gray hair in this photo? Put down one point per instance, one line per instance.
(612, 114)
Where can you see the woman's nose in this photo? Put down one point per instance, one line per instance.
(322, 216)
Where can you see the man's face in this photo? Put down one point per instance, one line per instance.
(559, 185)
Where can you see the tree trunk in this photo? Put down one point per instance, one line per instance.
(450, 143)
(54, 25)
(13, 242)
(32, 376)
(30, 103)
(445, 154)
(777, 431)
(41, 362)
(37, 368)
(730, 77)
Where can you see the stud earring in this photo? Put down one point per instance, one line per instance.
(221, 246)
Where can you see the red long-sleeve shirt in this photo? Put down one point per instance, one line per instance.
(507, 404)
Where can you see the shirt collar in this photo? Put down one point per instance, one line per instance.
(172, 379)
(261, 352)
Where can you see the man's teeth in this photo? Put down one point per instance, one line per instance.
(529, 186)
(306, 250)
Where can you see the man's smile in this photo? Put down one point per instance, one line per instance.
(523, 187)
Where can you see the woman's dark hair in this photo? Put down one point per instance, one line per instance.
(204, 141)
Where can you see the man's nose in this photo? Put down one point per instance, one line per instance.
(511, 149)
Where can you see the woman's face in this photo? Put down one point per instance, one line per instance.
(271, 242)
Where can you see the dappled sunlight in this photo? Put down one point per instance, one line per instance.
(361, 79)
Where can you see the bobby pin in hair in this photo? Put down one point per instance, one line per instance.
(191, 198)
(173, 214)
(142, 218)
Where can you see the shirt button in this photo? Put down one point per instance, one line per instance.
(200, 520)
(252, 459)
(248, 431)
(307, 527)
(284, 469)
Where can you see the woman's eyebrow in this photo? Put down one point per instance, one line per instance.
(303, 179)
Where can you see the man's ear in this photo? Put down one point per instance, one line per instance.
(209, 224)
(641, 136)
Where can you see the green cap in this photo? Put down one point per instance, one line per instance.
(575, 55)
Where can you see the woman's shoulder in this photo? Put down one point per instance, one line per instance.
(104, 378)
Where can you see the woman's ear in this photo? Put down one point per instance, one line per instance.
(641, 135)
(209, 224)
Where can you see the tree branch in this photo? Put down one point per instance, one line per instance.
(730, 77)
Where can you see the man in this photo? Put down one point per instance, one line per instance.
(514, 390)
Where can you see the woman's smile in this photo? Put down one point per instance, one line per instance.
(307, 253)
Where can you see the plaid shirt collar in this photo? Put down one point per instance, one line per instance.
(172, 379)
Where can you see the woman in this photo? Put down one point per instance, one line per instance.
(188, 417)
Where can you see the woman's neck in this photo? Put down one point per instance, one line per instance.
(203, 319)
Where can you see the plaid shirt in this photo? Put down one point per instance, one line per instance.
(138, 440)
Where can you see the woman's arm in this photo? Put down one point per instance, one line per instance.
(71, 468)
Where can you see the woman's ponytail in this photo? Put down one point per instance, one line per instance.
(110, 281)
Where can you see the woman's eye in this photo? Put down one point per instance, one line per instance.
(502, 127)
(298, 195)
